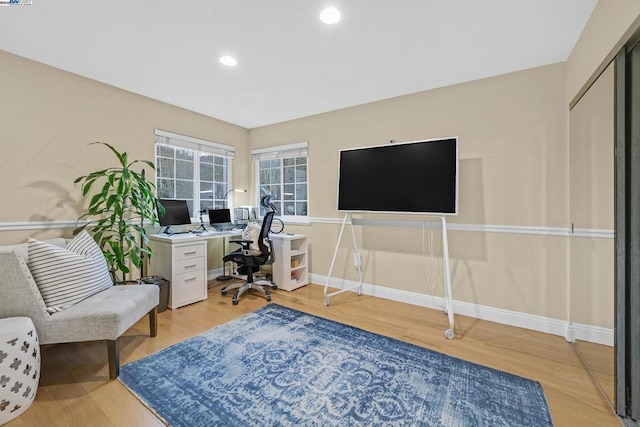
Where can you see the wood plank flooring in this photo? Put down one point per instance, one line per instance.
(75, 389)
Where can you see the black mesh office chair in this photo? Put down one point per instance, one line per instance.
(249, 264)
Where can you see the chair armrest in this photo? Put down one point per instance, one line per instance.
(272, 253)
(244, 243)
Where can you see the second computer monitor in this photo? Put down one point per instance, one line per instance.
(219, 216)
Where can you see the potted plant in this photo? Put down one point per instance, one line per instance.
(117, 212)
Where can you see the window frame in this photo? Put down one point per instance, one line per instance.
(282, 152)
(199, 147)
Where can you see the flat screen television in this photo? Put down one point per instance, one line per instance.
(176, 212)
(409, 177)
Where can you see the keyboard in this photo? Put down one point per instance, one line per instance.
(223, 226)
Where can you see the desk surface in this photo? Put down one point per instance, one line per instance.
(194, 236)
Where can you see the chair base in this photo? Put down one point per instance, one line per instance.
(258, 285)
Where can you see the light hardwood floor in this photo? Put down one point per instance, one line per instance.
(75, 389)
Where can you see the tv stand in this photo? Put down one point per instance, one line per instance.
(449, 333)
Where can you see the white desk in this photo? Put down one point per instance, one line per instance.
(182, 259)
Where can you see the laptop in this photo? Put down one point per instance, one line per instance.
(220, 219)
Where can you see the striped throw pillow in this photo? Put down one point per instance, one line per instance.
(66, 276)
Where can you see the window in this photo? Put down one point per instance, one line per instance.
(282, 172)
(192, 169)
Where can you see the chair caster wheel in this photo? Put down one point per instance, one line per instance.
(234, 302)
(269, 298)
(449, 334)
(223, 292)
(274, 286)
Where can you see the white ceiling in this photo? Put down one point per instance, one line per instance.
(290, 64)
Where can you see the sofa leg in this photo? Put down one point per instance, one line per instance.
(113, 355)
(153, 322)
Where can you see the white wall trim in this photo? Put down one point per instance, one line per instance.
(320, 220)
(593, 233)
(38, 225)
(510, 229)
(482, 228)
(507, 317)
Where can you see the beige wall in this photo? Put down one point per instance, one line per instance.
(514, 160)
(48, 118)
(513, 171)
(610, 22)
(513, 150)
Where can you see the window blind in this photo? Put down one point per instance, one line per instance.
(298, 149)
(191, 143)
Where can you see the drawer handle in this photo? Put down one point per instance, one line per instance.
(191, 279)
(190, 253)
(191, 266)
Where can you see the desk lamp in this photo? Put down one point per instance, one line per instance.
(227, 193)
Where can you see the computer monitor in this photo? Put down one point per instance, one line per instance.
(176, 212)
(219, 216)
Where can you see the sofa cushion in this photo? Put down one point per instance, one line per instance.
(66, 276)
(103, 316)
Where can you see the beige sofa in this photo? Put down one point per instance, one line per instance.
(103, 316)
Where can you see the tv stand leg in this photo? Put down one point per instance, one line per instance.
(357, 260)
(449, 333)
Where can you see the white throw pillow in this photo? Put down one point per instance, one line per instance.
(66, 276)
(252, 232)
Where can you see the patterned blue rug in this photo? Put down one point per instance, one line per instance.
(281, 367)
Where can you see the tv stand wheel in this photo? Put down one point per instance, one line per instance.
(326, 301)
(449, 334)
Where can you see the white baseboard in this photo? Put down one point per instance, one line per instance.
(562, 328)
(216, 272)
(507, 317)
(594, 334)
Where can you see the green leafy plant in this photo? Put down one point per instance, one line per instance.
(117, 212)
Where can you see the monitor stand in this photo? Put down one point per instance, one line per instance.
(168, 231)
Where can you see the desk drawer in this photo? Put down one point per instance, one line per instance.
(189, 265)
(188, 288)
(190, 251)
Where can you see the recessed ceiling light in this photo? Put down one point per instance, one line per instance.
(330, 15)
(229, 61)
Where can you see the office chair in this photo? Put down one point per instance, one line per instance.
(248, 264)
